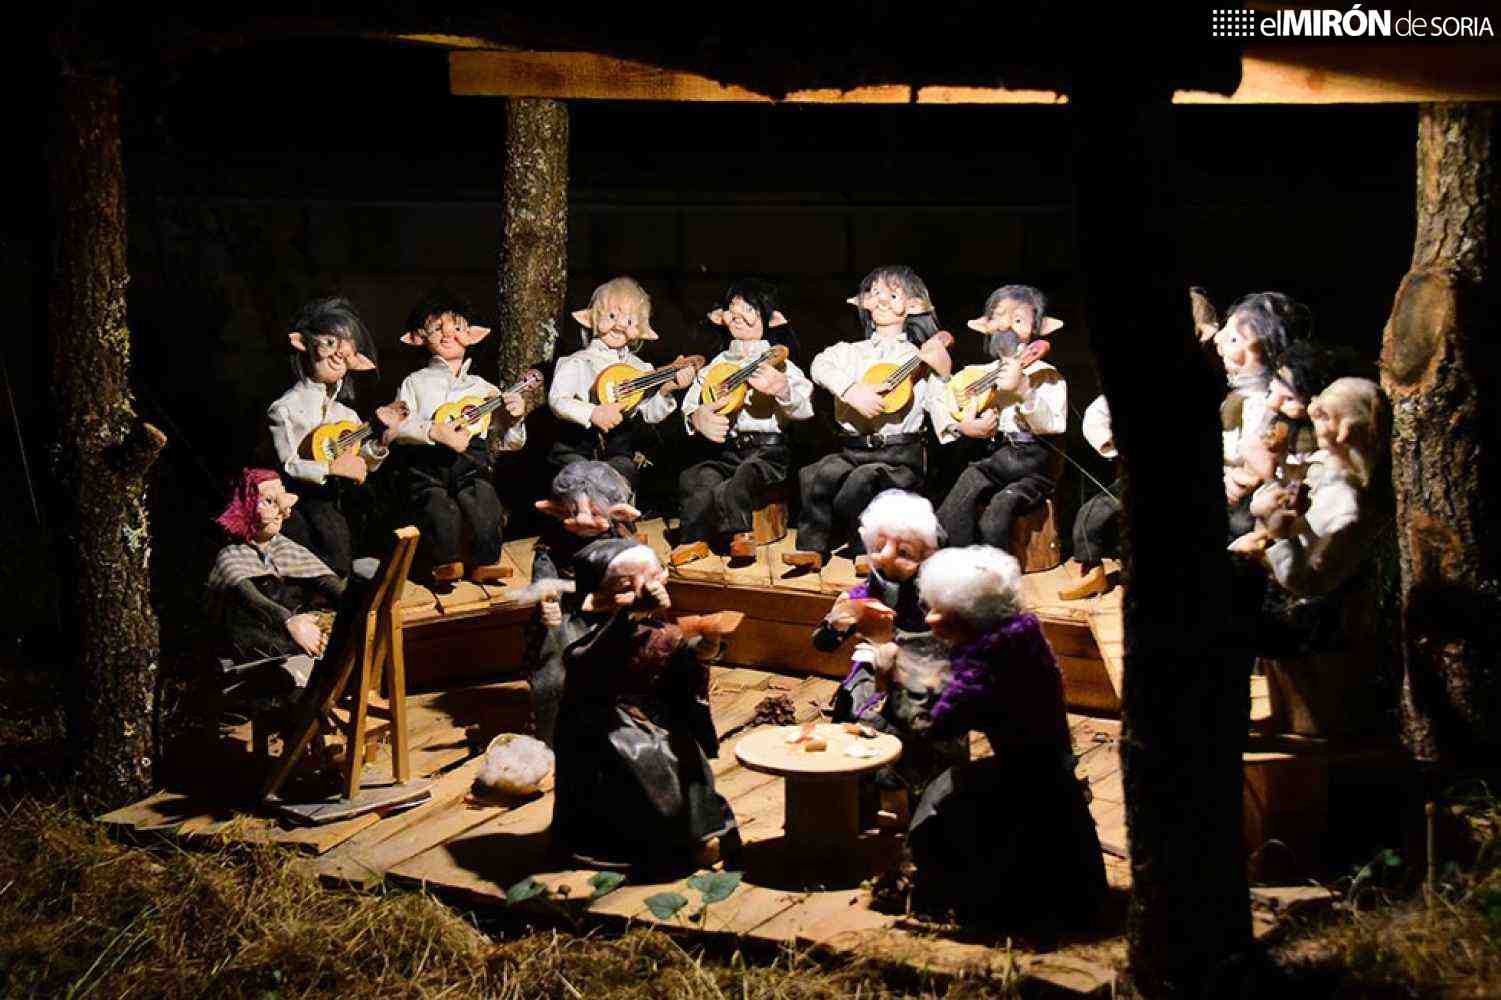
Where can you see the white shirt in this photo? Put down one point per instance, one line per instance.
(1097, 429)
(573, 381)
(1039, 406)
(297, 412)
(1329, 541)
(428, 388)
(758, 414)
(839, 366)
(1253, 413)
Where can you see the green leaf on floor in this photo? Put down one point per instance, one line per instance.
(665, 905)
(527, 888)
(715, 886)
(605, 883)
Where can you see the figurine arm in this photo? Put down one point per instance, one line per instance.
(944, 424)
(833, 368)
(413, 430)
(258, 603)
(798, 405)
(1045, 406)
(1318, 567)
(657, 407)
(568, 396)
(692, 400)
(283, 438)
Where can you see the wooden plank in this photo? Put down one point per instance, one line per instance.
(839, 575)
(791, 577)
(655, 531)
(752, 573)
(796, 606)
(783, 646)
(157, 813)
(518, 555)
(705, 569)
(1087, 685)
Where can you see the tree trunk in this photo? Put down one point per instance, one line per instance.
(533, 273)
(102, 454)
(1438, 361)
(1186, 688)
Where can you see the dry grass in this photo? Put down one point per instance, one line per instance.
(1385, 941)
(83, 916)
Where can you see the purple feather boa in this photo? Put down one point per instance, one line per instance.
(1009, 653)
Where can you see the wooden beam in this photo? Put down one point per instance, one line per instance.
(1281, 74)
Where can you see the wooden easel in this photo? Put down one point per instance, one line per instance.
(358, 675)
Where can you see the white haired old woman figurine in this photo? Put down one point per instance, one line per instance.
(1009, 836)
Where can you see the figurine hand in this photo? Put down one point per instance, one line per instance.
(769, 381)
(658, 590)
(1267, 501)
(349, 465)
(1009, 378)
(1234, 490)
(1251, 543)
(983, 426)
(936, 356)
(606, 416)
(884, 664)
(305, 632)
(393, 415)
(1281, 524)
(514, 404)
(551, 610)
(685, 377)
(454, 436)
(711, 425)
(864, 400)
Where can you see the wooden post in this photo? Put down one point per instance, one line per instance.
(533, 267)
(1439, 361)
(1186, 688)
(102, 456)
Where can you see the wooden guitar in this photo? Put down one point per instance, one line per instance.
(628, 385)
(327, 442)
(972, 390)
(727, 384)
(893, 381)
(473, 412)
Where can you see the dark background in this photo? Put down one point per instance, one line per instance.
(259, 177)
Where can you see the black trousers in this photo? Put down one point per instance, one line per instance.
(719, 496)
(1097, 527)
(837, 488)
(447, 491)
(318, 523)
(1010, 481)
(583, 444)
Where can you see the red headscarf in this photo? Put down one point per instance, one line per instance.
(239, 517)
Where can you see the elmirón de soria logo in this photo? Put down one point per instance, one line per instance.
(1356, 22)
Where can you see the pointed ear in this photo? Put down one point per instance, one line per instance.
(585, 318)
(1051, 325)
(1343, 436)
(647, 333)
(291, 500)
(624, 512)
(360, 363)
(917, 306)
(414, 338)
(297, 341)
(777, 319)
(854, 300)
(981, 325)
(551, 509)
(717, 317)
(474, 334)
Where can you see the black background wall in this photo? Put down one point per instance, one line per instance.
(258, 178)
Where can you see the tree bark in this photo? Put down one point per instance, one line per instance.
(102, 454)
(533, 271)
(1186, 688)
(1438, 362)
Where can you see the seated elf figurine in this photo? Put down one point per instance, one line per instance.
(329, 343)
(265, 589)
(618, 318)
(634, 733)
(753, 399)
(1031, 400)
(975, 850)
(880, 415)
(447, 469)
(1256, 327)
(588, 501)
(1316, 540)
(1097, 524)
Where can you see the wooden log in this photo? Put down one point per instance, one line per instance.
(769, 522)
(1034, 539)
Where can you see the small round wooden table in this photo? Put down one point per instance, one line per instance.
(822, 787)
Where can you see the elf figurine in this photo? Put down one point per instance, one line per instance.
(1097, 524)
(591, 427)
(884, 386)
(742, 402)
(448, 467)
(1029, 402)
(322, 448)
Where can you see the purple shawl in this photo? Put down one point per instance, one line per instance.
(1009, 674)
